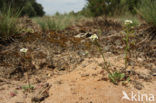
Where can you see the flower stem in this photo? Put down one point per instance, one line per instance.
(100, 50)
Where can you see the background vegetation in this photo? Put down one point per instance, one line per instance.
(147, 10)
(120, 9)
(8, 21)
(110, 7)
(28, 7)
(58, 21)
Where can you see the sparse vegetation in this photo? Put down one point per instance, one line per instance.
(57, 22)
(8, 20)
(147, 10)
(94, 39)
(129, 25)
(116, 77)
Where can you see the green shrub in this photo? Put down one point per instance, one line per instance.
(8, 20)
(110, 7)
(147, 10)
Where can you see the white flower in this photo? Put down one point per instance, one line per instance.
(128, 22)
(93, 37)
(23, 50)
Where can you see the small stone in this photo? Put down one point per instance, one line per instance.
(84, 65)
(94, 75)
(49, 75)
(140, 59)
(51, 67)
(145, 77)
(109, 53)
(84, 75)
(94, 67)
(61, 69)
(104, 78)
(90, 61)
(130, 72)
(138, 85)
(79, 35)
(131, 63)
(58, 82)
(153, 70)
(12, 94)
(148, 66)
(81, 98)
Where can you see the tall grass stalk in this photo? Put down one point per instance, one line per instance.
(8, 20)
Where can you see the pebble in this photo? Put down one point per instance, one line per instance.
(94, 67)
(145, 77)
(61, 69)
(94, 75)
(132, 63)
(153, 70)
(148, 66)
(58, 82)
(12, 94)
(140, 59)
(130, 72)
(138, 85)
(84, 65)
(84, 75)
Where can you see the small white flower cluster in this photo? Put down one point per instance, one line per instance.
(128, 22)
(23, 50)
(93, 37)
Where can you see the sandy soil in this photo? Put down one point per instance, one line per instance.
(85, 84)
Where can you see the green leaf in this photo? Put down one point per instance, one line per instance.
(128, 79)
(122, 76)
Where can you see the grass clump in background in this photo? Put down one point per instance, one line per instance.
(57, 22)
(8, 20)
(147, 10)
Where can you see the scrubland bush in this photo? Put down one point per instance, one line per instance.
(110, 7)
(147, 10)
